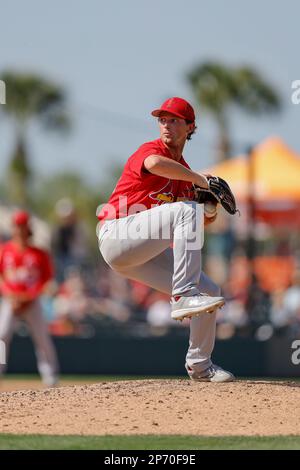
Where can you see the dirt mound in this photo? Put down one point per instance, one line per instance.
(155, 407)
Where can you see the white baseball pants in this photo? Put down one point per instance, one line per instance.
(44, 349)
(150, 260)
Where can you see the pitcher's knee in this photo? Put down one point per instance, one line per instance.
(118, 265)
(115, 261)
(109, 255)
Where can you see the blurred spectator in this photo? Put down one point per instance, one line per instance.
(258, 304)
(74, 305)
(234, 313)
(69, 239)
(111, 295)
(72, 300)
(291, 305)
(140, 298)
(292, 297)
(159, 310)
(280, 316)
(92, 297)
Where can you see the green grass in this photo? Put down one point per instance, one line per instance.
(148, 442)
(139, 442)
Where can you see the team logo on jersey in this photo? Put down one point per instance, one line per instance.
(163, 195)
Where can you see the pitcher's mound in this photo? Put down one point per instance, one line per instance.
(155, 407)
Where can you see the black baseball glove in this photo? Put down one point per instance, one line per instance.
(218, 192)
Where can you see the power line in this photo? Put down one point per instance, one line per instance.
(113, 118)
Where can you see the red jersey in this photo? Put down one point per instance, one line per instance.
(138, 189)
(24, 271)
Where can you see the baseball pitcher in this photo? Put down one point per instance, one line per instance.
(150, 231)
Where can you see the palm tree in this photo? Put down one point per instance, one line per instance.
(218, 87)
(29, 98)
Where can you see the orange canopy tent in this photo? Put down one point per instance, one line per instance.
(276, 181)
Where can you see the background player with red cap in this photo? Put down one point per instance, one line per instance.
(25, 270)
(146, 229)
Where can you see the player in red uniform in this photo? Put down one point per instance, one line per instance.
(25, 270)
(151, 229)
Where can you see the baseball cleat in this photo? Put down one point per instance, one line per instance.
(213, 373)
(188, 307)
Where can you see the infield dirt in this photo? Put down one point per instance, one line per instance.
(155, 407)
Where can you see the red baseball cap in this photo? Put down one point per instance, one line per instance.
(177, 106)
(20, 218)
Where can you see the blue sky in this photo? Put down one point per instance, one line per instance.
(120, 59)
